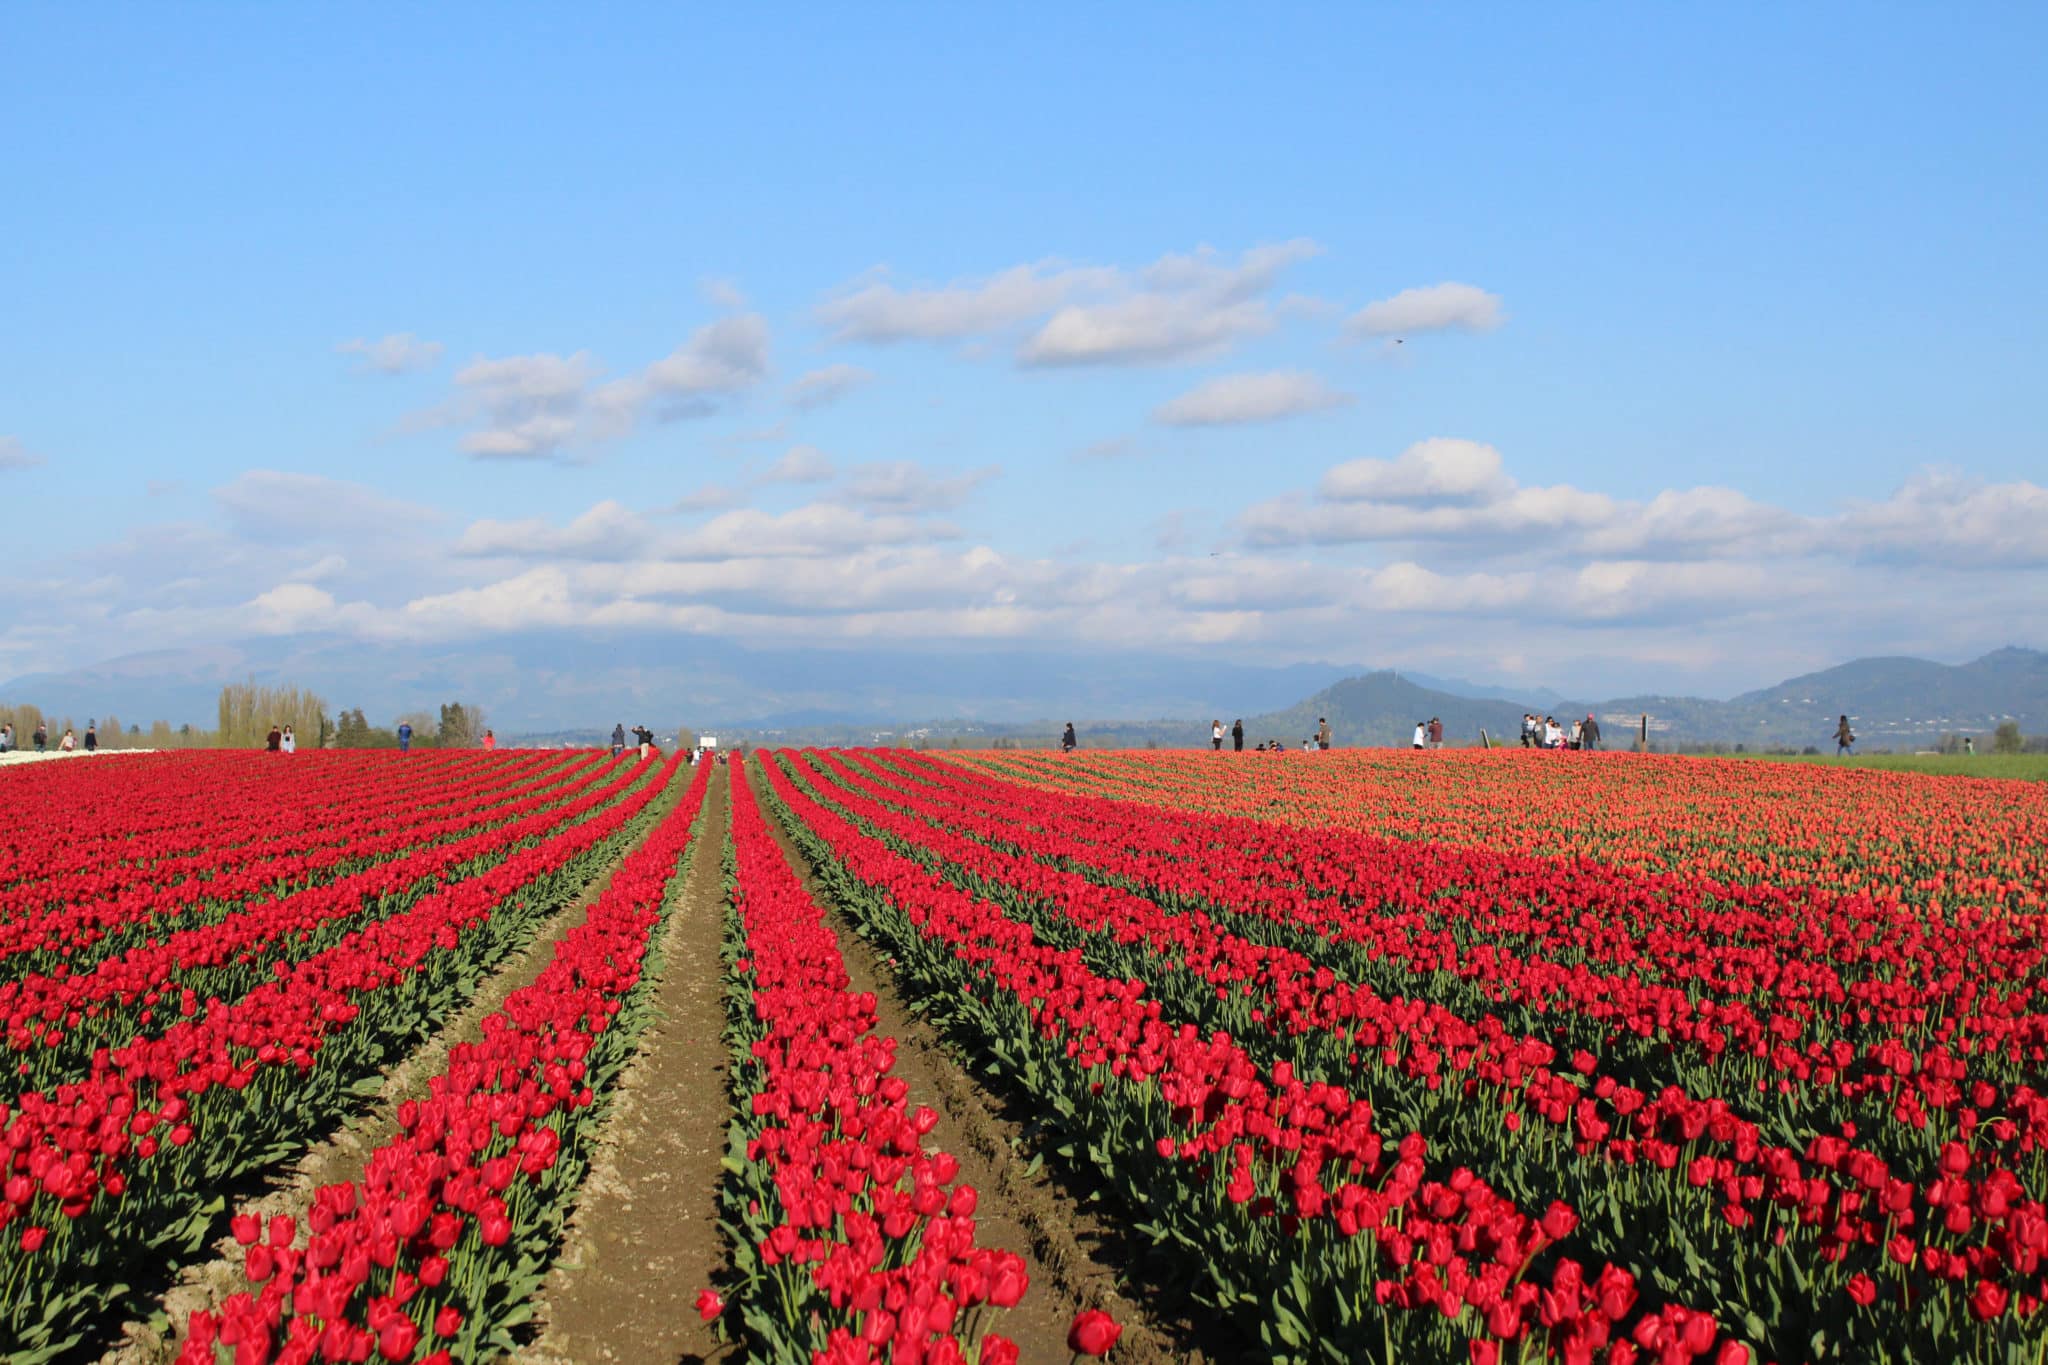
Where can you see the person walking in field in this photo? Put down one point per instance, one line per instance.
(1067, 741)
(92, 736)
(1237, 735)
(66, 744)
(618, 739)
(1589, 733)
(404, 738)
(490, 740)
(42, 737)
(1216, 735)
(1845, 739)
(1323, 732)
(289, 744)
(6, 739)
(1421, 736)
(274, 741)
(1436, 733)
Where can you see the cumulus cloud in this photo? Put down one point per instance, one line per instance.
(15, 455)
(816, 529)
(527, 406)
(828, 385)
(724, 357)
(1235, 399)
(539, 406)
(607, 531)
(801, 464)
(1454, 491)
(1944, 516)
(907, 487)
(877, 311)
(1436, 308)
(398, 353)
(1441, 468)
(1180, 307)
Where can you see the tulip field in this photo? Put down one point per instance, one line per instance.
(1372, 1056)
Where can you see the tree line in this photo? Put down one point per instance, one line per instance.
(244, 715)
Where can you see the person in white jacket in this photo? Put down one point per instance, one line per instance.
(1421, 735)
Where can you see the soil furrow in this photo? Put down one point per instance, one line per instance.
(1069, 1252)
(645, 1237)
(343, 1155)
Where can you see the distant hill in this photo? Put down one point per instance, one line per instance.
(1382, 708)
(1891, 703)
(546, 684)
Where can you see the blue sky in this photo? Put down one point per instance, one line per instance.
(1725, 362)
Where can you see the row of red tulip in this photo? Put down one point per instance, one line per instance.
(428, 1254)
(1410, 1045)
(1301, 1215)
(857, 1244)
(1658, 973)
(102, 1172)
(1890, 835)
(158, 810)
(56, 1020)
(115, 902)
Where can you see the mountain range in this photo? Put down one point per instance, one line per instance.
(577, 688)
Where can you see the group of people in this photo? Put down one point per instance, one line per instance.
(67, 744)
(1546, 733)
(1310, 744)
(642, 737)
(1429, 734)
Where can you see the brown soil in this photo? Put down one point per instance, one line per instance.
(644, 1237)
(1072, 1255)
(343, 1155)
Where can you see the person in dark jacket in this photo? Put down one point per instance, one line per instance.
(1323, 732)
(42, 736)
(1067, 741)
(1589, 733)
(1237, 735)
(618, 739)
(1845, 740)
(92, 736)
(274, 741)
(404, 738)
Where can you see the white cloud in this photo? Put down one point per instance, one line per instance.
(398, 353)
(527, 405)
(534, 407)
(15, 455)
(1441, 468)
(812, 530)
(905, 486)
(606, 531)
(1183, 308)
(724, 357)
(1436, 308)
(1234, 399)
(833, 382)
(1942, 516)
(877, 311)
(801, 464)
(1180, 307)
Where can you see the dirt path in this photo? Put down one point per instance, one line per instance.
(1067, 1250)
(645, 1238)
(343, 1155)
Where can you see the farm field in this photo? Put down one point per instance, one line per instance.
(878, 1055)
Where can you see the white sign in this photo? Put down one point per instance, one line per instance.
(707, 741)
